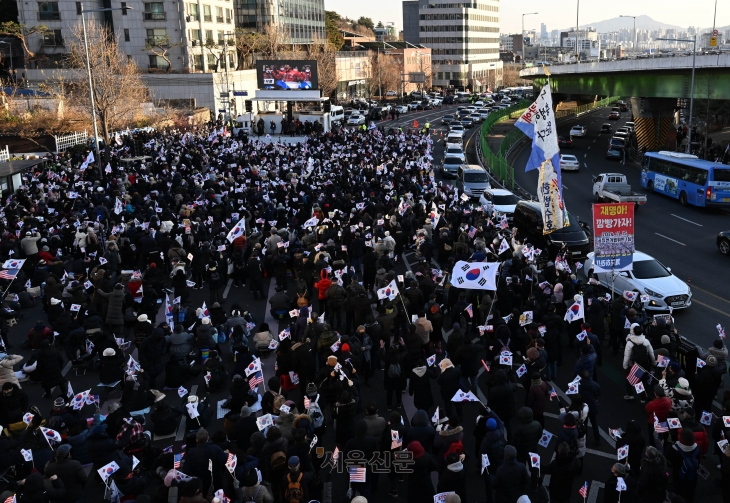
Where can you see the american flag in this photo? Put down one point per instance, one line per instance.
(167, 450)
(9, 274)
(584, 490)
(660, 427)
(635, 375)
(357, 474)
(553, 394)
(469, 310)
(11, 499)
(255, 380)
(178, 460)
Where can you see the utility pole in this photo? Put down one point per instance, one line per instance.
(577, 30)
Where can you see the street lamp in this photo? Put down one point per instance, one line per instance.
(10, 52)
(91, 83)
(523, 31)
(635, 39)
(692, 86)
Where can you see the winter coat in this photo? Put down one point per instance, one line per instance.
(73, 476)
(115, 306)
(205, 336)
(636, 340)
(13, 407)
(50, 365)
(419, 387)
(110, 368)
(322, 285)
(562, 471)
(180, 344)
(421, 430)
(510, 481)
(467, 358)
(7, 374)
(393, 356)
(453, 478)
(444, 438)
(659, 406)
(527, 433)
(35, 491)
(449, 383)
(420, 487)
(537, 398)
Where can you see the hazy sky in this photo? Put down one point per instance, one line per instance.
(558, 14)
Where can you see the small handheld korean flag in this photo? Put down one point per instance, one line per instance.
(69, 390)
(701, 363)
(27, 454)
(639, 387)
(535, 460)
(192, 409)
(485, 462)
(181, 391)
(108, 470)
(620, 484)
(572, 389)
(503, 246)
(313, 443)
(522, 370)
(461, 396)
(706, 418)
(726, 421)
(623, 452)
(674, 423)
(435, 417)
(505, 359)
(545, 439)
(431, 360)
(28, 417)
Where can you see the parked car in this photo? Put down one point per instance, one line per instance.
(449, 100)
(413, 105)
(569, 163)
(402, 109)
(617, 143)
(577, 131)
(424, 105)
(650, 278)
(391, 94)
(500, 200)
(564, 142)
(614, 153)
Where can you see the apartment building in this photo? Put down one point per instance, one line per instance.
(180, 36)
(301, 21)
(464, 41)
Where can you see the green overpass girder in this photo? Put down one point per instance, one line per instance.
(708, 84)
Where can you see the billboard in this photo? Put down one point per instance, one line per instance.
(613, 231)
(286, 74)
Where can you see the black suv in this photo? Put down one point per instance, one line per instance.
(528, 220)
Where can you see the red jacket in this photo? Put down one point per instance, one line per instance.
(322, 285)
(660, 407)
(700, 439)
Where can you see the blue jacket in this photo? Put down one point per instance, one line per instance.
(585, 362)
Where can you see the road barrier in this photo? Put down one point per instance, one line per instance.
(497, 163)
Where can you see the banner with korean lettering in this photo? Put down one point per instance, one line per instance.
(613, 242)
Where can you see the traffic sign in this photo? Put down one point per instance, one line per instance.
(713, 41)
(715, 33)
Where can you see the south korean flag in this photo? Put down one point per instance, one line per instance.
(475, 275)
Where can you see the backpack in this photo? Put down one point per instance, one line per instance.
(251, 498)
(455, 448)
(690, 465)
(315, 414)
(394, 370)
(217, 378)
(574, 449)
(215, 276)
(302, 300)
(581, 428)
(278, 461)
(293, 492)
(640, 355)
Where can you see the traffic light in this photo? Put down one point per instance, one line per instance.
(327, 106)
(249, 106)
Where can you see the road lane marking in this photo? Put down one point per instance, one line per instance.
(690, 221)
(565, 187)
(724, 313)
(670, 239)
(585, 155)
(228, 288)
(710, 293)
(593, 492)
(589, 147)
(594, 141)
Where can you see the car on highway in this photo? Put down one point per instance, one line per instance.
(617, 143)
(723, 242)
(450, 166)
(472, 180)
(463, 111)
(614, 116)
(456, 127)
(347, 113)
(356, 120)
(413, 105)
(467, 122)
(575, 237)
(484, 113)
(476, 118)
(401, 109)
(622, 134)
(651, 279)
(454, 138)
(577, 131)
(630, 125)
(569, 162)
(455, 151)
(623, 107)
(447, 119)
(606, 128)
(500, 200)
(624, 129)
(614, 153)
(564, 142)
(424, 105)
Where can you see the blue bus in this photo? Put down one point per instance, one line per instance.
(687, 178)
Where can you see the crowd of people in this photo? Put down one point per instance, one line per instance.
(114, 259)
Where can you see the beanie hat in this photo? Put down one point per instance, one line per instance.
(206, 321)
(491, 424)
(620, 469)
(666, 339)
(63, 451)
(109, 352)
(674, 366)
(717, 344)
(293, 461)
(345, 347)
(510, 452)
(201, 435)
(416, 448)
(682, 386)
(659, 391)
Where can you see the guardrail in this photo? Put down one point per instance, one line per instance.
(500, 168)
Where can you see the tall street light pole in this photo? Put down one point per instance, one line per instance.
(692, 86)
(577, 31)
(634, 38)
(91, 82)
(523, 31)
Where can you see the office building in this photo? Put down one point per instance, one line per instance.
(543, 31)
(588, 43)
(180, 37)
(411, 31)
(464, 39)
(301, 21)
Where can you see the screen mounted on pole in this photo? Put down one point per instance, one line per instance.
(286, 74)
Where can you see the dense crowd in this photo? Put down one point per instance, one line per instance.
(317, 229)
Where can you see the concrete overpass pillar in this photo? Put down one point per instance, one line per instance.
(653, 119)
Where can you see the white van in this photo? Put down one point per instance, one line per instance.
(337, 113)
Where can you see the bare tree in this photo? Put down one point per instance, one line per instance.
(22, 32)
(384, 74)
(160, 47)
(118, 87)
(325, 54)
(273, 42)
(248, 43)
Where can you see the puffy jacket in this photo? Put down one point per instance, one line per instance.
(114, 313)
(322, 285)
(336, 296)
(13, 406)
(527, 433)
(73, 476)
(180, 344)
(7, 374)
(636, 340)
(204, 335)
(659, 406)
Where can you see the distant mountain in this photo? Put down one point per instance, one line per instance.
(617, 23)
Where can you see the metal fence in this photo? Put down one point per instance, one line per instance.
(5, 154)
(70, 140)
(497, 163)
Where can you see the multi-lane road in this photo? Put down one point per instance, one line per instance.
(682, 238)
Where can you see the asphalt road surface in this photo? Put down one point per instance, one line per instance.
(682, 238)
